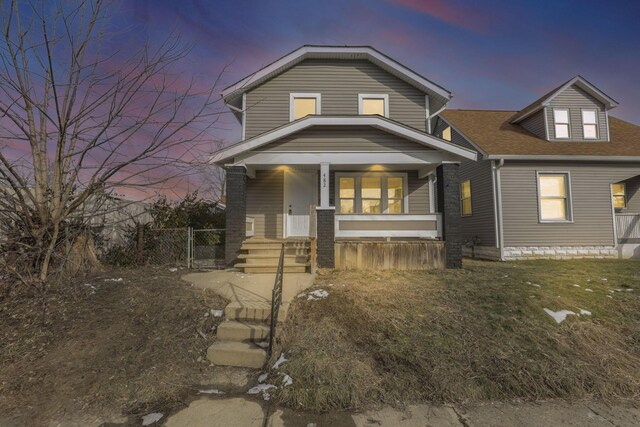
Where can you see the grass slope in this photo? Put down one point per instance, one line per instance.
(470, 335)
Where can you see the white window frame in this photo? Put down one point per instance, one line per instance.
(569, 197)
(295, 95)
(624, 186)
(555, 123)
(363, 96)
(358, 191)
(595, 111)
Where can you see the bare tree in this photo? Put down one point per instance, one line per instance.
(80, 118)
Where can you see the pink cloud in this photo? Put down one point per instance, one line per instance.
(470, 17)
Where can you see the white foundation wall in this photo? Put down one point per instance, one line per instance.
(559, 252)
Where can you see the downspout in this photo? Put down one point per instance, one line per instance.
(497, 204)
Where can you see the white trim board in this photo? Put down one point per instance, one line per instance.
(378, 122)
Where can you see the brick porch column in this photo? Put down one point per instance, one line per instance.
(448, 184)
(236, 212)
(326, 237)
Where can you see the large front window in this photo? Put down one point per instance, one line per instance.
(371, 193)
(555, 203)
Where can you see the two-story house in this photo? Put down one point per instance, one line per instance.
(558, 179)
(337, 152)
(353, 160)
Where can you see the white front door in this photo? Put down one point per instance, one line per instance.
(300, 193)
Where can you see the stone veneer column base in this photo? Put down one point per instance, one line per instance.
(326, 232)
(558, 252)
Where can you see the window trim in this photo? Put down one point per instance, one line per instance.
(383, 96)
(358, 191)
(462, 214)
(555, 123)
(595, 110)
(613, 196)
(295, 95)
(569, 198)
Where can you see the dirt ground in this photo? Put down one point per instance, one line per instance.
(124, 341)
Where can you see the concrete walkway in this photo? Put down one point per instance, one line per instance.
(239, 411)
(249, 288)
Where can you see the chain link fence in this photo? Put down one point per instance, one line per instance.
(129, 245)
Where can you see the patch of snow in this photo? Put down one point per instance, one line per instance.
(558, 316)
(217, 313)
(577, 286)
(588, 290)
(262, 388)
(609, 296)
(624, 290)
(119, 279)
(173, 269)
(149, 419)
(211, 391)
(287, 380)
(506, 275)
(528, 283)
(604, 279)
(317, 294)
(279, 362)
(263, 377)
(91, 287)
(536, 285)
(262, 344)
(585, 312)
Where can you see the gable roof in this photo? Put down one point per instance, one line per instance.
(543, 101)
(226, 154)
(495, 135)
(282, 64)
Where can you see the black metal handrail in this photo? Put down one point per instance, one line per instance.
(276, 300)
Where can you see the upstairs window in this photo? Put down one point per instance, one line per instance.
(561, 120)
(590, 124)
(465, 198)
(446, 133)
(373, 104)
(303, 104)
(619, 194)
(554, 199)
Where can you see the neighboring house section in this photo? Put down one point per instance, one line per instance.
(571, 194)
(337, 154)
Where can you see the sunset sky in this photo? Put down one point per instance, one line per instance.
(490, 54)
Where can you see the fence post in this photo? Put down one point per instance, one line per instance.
(140, 242)
(189, 246)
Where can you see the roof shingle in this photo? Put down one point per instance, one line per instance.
(491, 131)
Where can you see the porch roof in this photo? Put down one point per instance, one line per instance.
(228, 154)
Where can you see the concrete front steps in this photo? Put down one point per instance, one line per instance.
(243, 336)
(262, 256)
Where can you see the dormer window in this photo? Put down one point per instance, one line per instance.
(561, 119)
(303, 104)
(373, 104)
(590, 124)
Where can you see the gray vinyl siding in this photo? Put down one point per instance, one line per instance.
(418, 192)
(329, 138)
(339, 82)
(633, 195)
(456, 137)
(591, 201)
(535, 124)
(576, 99)
(481, 224)
(265, 203)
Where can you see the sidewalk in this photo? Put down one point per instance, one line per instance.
(237, 411)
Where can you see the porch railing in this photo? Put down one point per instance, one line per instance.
(627, 226)
(276, 301)
(427, 226)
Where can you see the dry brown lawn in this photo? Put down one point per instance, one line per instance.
(460, 336)
(109, 347)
